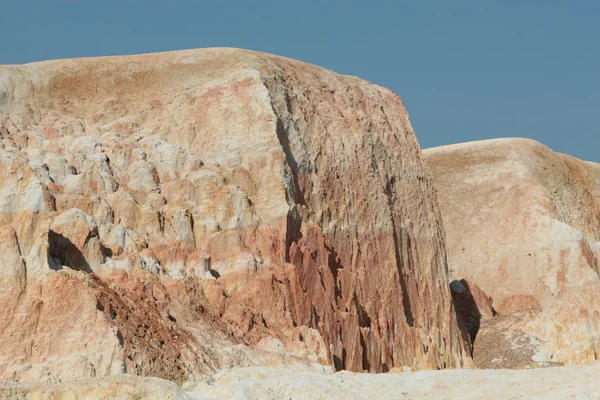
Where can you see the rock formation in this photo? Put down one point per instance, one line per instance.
(161, 212)
(523, 223)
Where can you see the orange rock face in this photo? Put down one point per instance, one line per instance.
(170, 209)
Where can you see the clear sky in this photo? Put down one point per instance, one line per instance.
(467, 70)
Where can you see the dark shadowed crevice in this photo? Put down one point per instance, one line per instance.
(410, 320)
(468, 315)
(365, 355)
(66, 253)
(364, 321)
(315, 319)
(106, 251)
(293, 231)
(294, 221)
(337, 363)
(120, 338)
(335, 266)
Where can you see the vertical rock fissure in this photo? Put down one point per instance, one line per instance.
(294, 221)
(398, 255)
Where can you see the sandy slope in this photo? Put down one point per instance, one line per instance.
(570, 382)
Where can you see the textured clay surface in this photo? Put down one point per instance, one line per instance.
(160, 213)
(523, 224)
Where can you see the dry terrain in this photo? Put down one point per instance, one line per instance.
(221, 223)
(523, 225)
(297, 383)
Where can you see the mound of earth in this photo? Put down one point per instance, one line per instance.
(523, 225)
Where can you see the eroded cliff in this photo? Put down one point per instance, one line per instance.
(161, 212)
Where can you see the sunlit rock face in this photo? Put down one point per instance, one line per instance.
(523, 223)
(161, 212)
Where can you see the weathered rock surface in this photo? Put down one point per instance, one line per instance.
(160, 212)
(523, 223)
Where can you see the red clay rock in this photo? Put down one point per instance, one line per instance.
(302, 189)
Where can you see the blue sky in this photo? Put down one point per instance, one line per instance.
(467, 70)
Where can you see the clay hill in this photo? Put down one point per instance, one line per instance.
(221, 223)
(169, 215)
(523, 227)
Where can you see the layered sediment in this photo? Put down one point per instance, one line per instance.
(161, 213)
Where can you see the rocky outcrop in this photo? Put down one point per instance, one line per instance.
(523, 223)
(161, 210)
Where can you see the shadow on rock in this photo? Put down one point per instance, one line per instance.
(65, 253)
(468, 311)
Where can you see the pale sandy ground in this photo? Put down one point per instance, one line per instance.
(569, 382)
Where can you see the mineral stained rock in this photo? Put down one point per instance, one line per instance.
(161, 212)
(523, 223)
